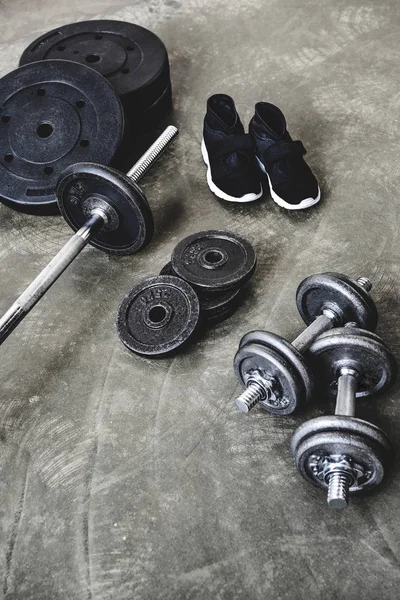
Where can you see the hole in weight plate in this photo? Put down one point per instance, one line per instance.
(80, 103)
(44, 130)
(8, 158)
(213, 257)
(92, 58)
(84, 143)
(48, 170)
(157, 314)
(41, 92)
(5, 118)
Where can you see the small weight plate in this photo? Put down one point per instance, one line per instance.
(132, 58)
(288, 351)
(53, 114)
(349, 300)
(214, 316)
(364, 444)
(214, 303)
(337, 423)
(288, 388)
(214, 260)
(353, 348)
(158, 315)
(85, 186)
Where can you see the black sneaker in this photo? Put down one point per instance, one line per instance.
(291, 181)
(232, 172)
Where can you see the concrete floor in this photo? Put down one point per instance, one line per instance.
(129, 478)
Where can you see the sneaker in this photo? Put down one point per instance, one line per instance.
(232, 172)
(291, 181)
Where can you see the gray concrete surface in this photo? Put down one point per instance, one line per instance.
(126, 478)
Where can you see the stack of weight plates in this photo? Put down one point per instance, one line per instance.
(81, 92)
(200, 287)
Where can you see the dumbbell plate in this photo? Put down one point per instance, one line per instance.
(349, 300)
(158, 316)
(215, 311)
(132, 58)
(288, 387)
(214, 260)
(290, 355)
(357, 349)
(53, 114)
(215, 307)
(85, 186)
(365, 444)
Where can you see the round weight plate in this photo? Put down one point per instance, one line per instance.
(53, 114)
(132, 58)
(214, 316)
(358, 442)
(349, 300)
(85, 186)
(337, 423)
(357, 349)
(287, 386)
(159, 315)
(214, 260)
(212, 304)
(289, 352)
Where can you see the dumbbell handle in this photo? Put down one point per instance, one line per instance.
(76, 243)
(321, 324)
(347, 385)
(340, 478)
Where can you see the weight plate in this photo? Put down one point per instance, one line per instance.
(353, 348)
(159, 315)
(214, 316)
(214, 303)
(337, 423)
(214, 260)
(132, 58)
(349, 300)
(366, 453)
(53, 114)
(290, 354)
(86, 186)
(287, 386)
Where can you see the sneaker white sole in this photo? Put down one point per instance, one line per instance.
(306, 203)
(246, 198)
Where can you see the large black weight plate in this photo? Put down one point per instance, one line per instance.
(84, 186)
(158, 315)
(349, 300)
(214, 260)
(53, 114)
(365, 444)
(354, 348)
(288, 387)
(288, 351)
(132, 58)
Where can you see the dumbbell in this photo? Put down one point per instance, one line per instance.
(272, 370)
(340, 452)
(106, 208)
